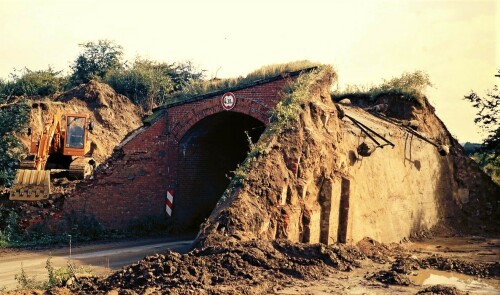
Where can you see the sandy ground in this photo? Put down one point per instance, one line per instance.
(102, 258)
(474, 249)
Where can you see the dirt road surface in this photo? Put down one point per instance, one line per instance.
(101, 258)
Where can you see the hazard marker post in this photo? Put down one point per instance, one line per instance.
(169, 203)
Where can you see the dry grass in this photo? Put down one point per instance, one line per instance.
(265, 72)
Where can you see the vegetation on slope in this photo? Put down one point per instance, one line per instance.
(285, 116)
(408, 86)
(200, 87)
(13, 119)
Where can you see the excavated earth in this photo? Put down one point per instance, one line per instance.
(283, 267)
(114, 116)
(254, 243)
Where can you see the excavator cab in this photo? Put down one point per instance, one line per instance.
(64, 136)
(75, 139)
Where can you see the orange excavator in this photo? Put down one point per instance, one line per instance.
(63, 146)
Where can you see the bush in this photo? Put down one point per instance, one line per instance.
(13, 119)
(9, 230)
(149, 83)
(83, 226)
(409, 86)
(26, 82)
(56, 277)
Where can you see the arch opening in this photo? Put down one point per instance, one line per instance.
(208, 153)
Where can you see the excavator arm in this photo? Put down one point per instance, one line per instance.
(33, 183)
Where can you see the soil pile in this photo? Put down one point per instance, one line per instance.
(440, 290)
(114, 115)
(230, 268)
(269, 267)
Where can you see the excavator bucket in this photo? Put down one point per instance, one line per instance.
(30, 185)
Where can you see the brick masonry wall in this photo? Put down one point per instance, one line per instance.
(133, 186)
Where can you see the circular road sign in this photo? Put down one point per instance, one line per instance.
(228, 101)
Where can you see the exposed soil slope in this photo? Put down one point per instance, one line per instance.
(312, 183)
(114, 115)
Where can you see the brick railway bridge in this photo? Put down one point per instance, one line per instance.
(185, 151)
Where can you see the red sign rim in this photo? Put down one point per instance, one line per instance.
(227, 108)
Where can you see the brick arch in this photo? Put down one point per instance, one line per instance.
(212, 106)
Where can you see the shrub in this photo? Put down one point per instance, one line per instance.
(56, 277)
(97, 59)
(149, 83)
(409, 86)
(13, 119)
(26, 82)
(83, 226)
(26, 282)
(9, 230)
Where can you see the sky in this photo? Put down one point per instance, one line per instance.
(456, 42)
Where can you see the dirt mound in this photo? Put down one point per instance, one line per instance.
(374, 250)
(309, 182)
(390, 278)
(470, 268)
(232, 268)
(440, 290)
(114, 115)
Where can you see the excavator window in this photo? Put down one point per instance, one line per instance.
(75, 132)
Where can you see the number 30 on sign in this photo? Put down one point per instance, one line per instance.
(228, 101)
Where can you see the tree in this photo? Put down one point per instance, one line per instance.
(97, 59)
(488, 118)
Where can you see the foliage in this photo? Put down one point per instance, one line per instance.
(56, 277)
(97, 59)
(488, 119)
(409, 86)
(149, 83)
(11, 236)
(9, 230)
(83, 226)
(26, 282)
(27, 82)
(200, 87)
(286, 112)
(13, 119)
(415, 82)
